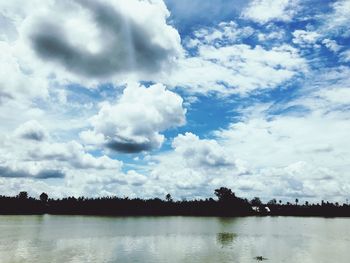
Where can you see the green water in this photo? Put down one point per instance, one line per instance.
(173, 239)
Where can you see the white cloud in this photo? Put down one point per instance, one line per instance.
(131, 40)
(61, 168)
(133, 124)
(17, 80)
(295, 149)
(237, 69)
(263, 11)
(276, 148)
(31, 151)
(218, 62)
(201, 153)
(337, 22)
(31, 130)
(192, 168)
(58, 43)
(331, 45)
(35, 85)
(12, 186)
(42, 160)
(71, 153)
(305, 38)
(274, 35)
(345, 56)
(224, 32)
(298, 149)
(328, 90)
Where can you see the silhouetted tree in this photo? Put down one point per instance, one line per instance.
(256, 201)
(168, 198)
(296, 201)
(22, 195)
(228, 205)
(44, 197)
(272, 202)
(224, 194)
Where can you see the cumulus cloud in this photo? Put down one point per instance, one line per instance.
(194, 167)
(75, 170)
(57, 43)
(71, 153)
(31, 130)
(263, 11)
(133, 124)
(48, 50)
(126, 44)
(16, 79)
(201, 153)
(294, 149)
(52, 51)
(39, 157)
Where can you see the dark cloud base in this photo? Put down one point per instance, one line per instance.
(44, 174)
(34, 135)
(127, 45)
(129, 147)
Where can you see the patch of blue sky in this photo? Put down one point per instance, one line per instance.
(129, 160)
(294, 110)
(343, 41)
(315, 7)
(107, 91)
(187, 16)
(324, 58)
(206, 114)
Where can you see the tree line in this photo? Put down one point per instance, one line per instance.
(225, 204)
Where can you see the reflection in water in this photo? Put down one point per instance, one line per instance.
(172, 239)
(225, 239)
(260, 258)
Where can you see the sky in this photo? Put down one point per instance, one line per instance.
(141, 98)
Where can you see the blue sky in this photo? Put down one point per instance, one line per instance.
(149, 97)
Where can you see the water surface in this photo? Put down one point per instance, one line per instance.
(173, 239)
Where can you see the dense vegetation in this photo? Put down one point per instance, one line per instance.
(227, 204)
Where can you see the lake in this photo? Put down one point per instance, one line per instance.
(51, 238)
